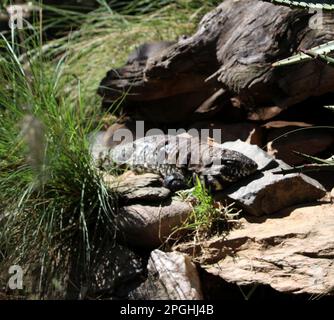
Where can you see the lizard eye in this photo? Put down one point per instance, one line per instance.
(228, 162)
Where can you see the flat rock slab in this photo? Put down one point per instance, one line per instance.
(292, 251)
(137, 188)
(149, 226)
(266, 192)
(171, 276)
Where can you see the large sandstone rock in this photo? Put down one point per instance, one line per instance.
(291, 251)
(149, 226)
(171, 276)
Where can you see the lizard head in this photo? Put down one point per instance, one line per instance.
(223, 165)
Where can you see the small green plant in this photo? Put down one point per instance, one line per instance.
(320, 52)
(209, 217)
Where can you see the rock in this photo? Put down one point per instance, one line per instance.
(146, 194)
(267, 192)
(171, 276)
(137, 188)
(282, 145)
(116, 272)
(248, 132)
(291, 251)
(149, 226)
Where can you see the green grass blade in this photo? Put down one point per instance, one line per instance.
(323, 49)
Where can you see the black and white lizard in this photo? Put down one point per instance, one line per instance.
(179, 159)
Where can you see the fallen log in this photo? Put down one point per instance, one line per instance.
(230, 57)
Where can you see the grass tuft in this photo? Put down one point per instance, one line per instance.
(209, 217)
(54, 206)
